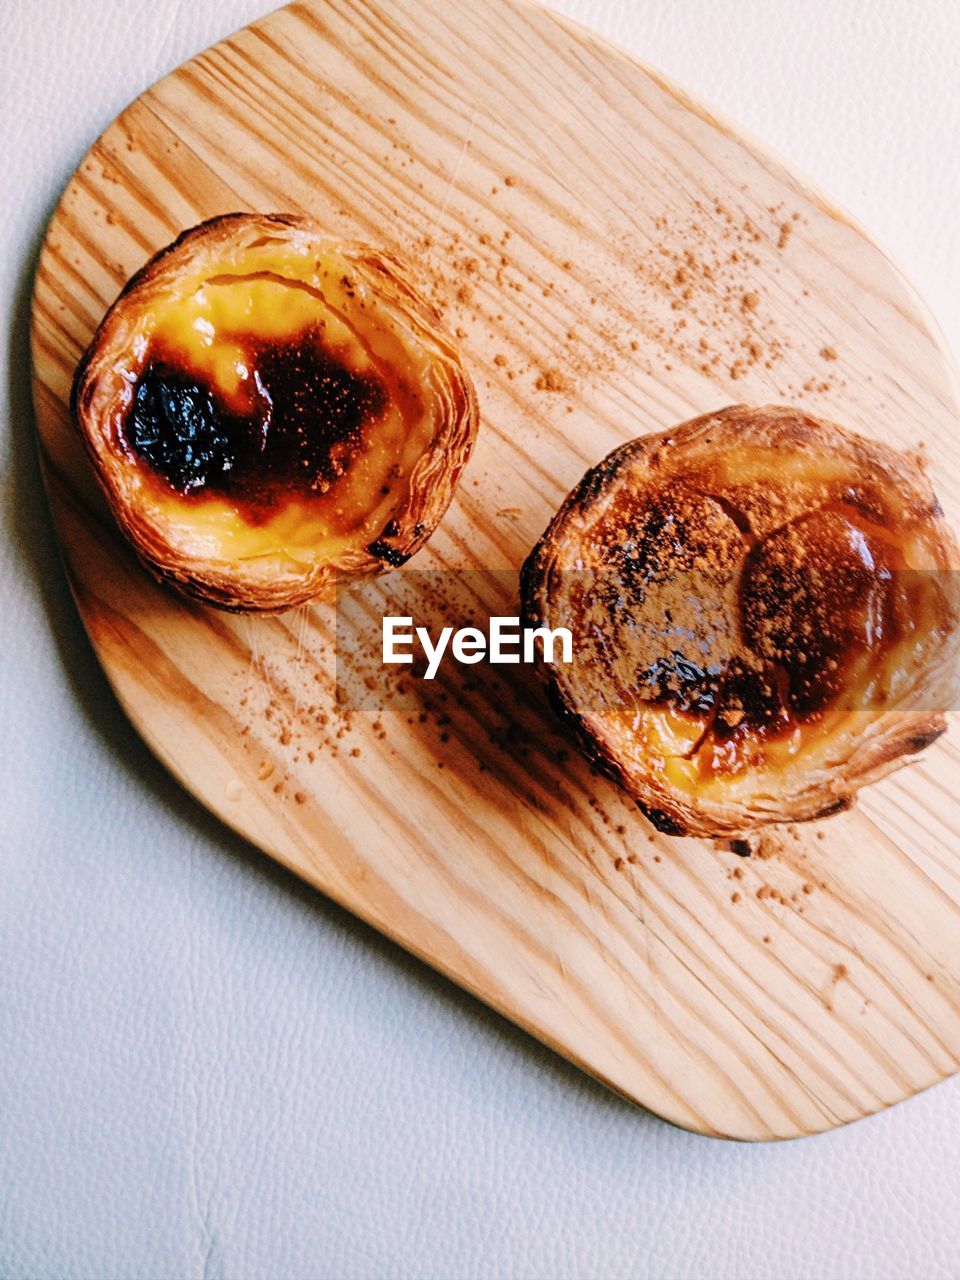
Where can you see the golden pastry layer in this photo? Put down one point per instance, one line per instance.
(764, 613)
(271, 410)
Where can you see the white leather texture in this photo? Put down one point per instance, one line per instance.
(206, 1071)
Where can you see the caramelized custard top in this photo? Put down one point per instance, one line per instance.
(274, 406)
(294, 429)
(719, 614)
(750, 635)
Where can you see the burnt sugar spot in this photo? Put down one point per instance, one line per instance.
(749, 635)
(176, 427)
(752, 700)
(667, 585)
(815, 595)
(301, 427)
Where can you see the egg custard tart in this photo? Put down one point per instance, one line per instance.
(271, 410)
(764, 615)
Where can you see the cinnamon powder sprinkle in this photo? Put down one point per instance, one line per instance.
(551, 380)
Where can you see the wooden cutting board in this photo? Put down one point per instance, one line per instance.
(615, 259)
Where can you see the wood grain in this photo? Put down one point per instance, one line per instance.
(616, 259)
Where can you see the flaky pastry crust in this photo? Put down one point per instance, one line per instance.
(764, 610)
(254, 325)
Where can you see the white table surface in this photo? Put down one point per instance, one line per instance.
(208, 1071)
